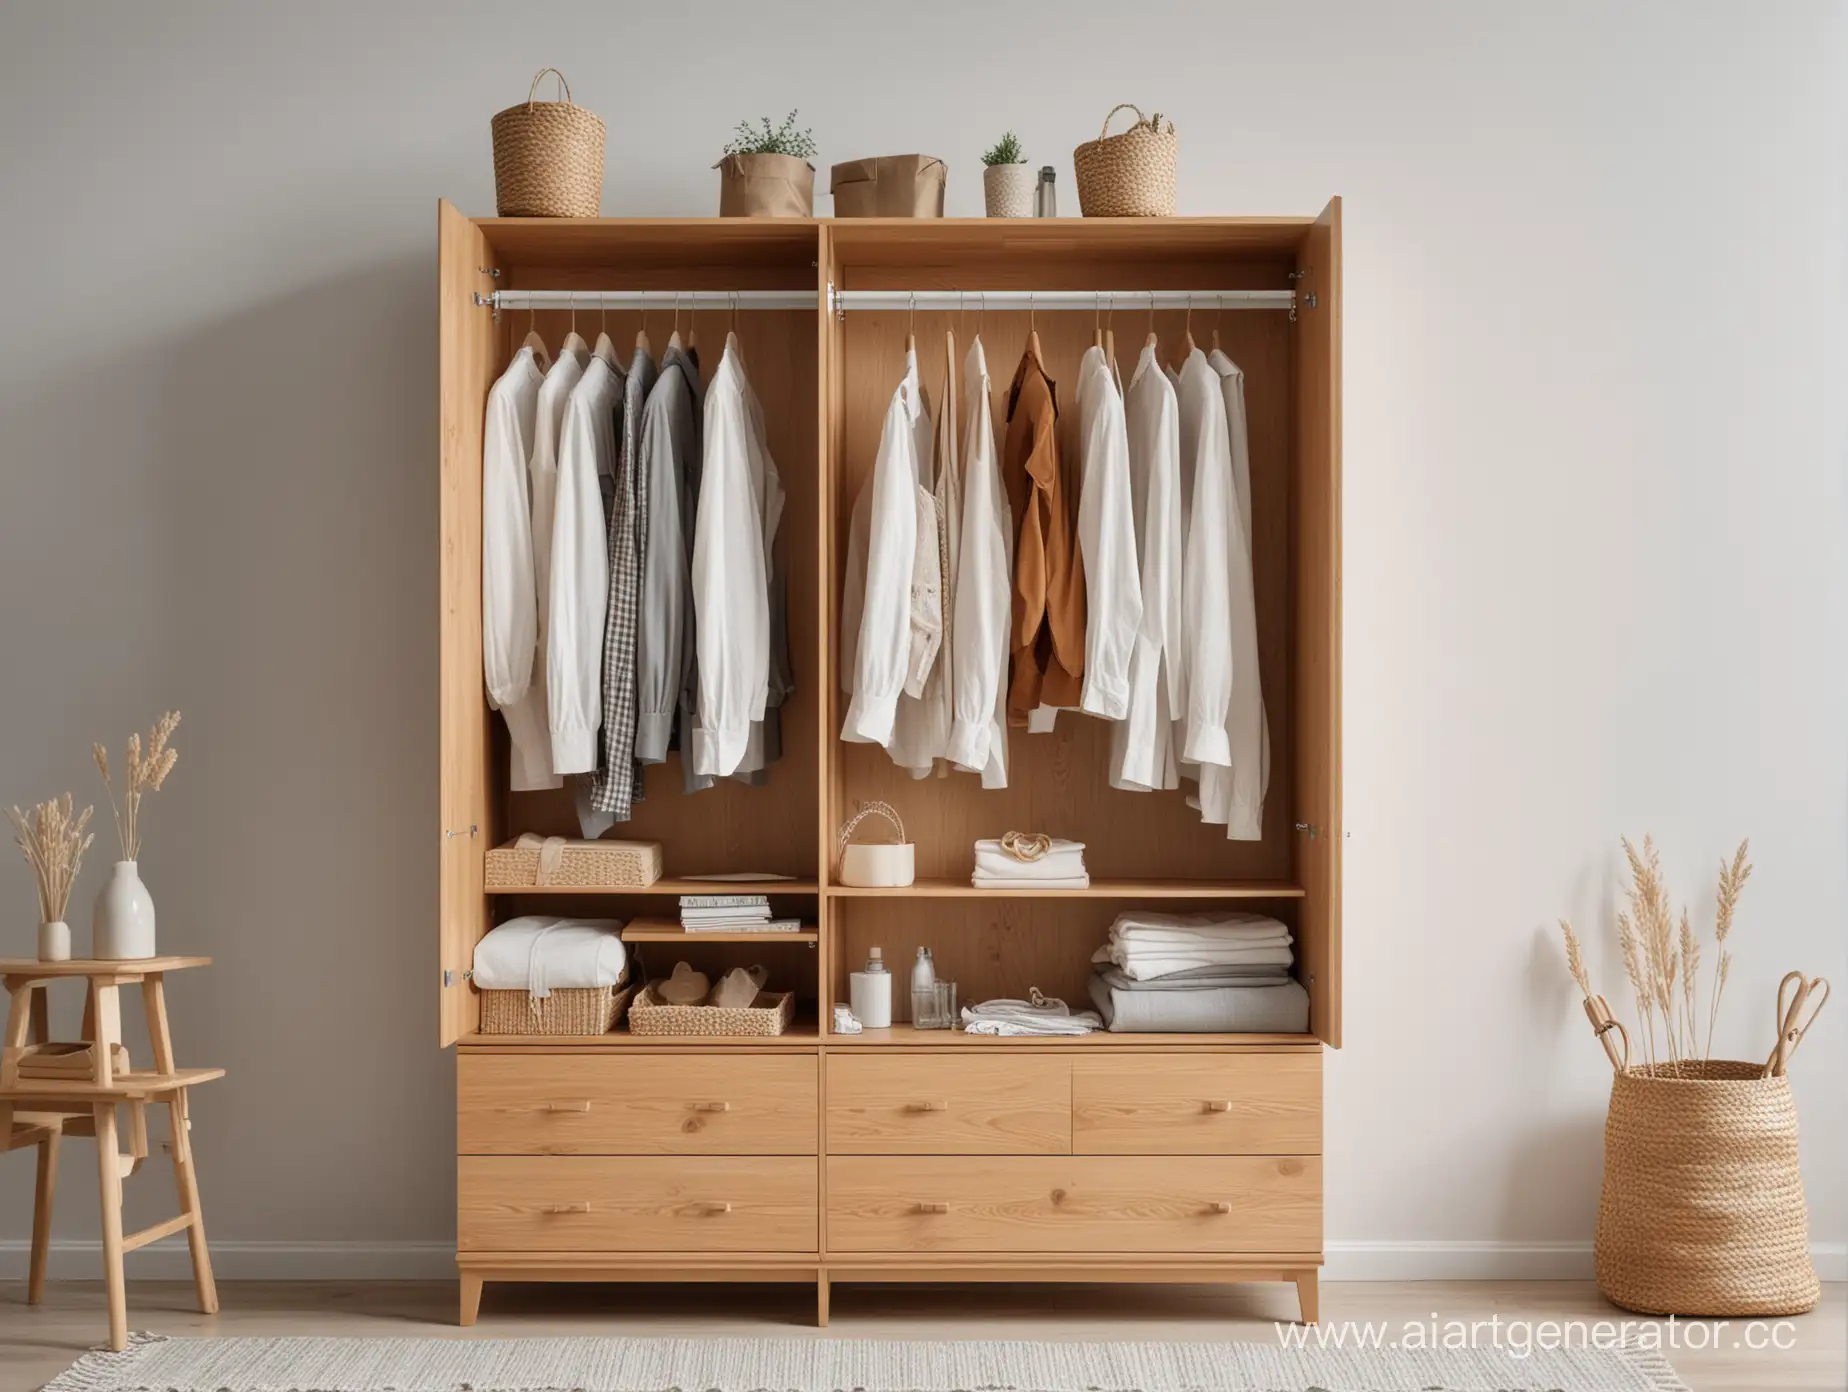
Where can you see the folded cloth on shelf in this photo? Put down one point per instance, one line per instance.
(1037, 1015)
(1138, 925)
(981, 881)
(1277, 1008)
(541, 952)
(1146, 964)
(1197, 978)
(1064, 860)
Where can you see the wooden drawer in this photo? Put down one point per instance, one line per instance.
(1105, 1205)
(944, 1104)
(581, 1203)
(1198, 1104)
(640, 1104)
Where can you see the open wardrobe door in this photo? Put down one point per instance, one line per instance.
(1318, 617)
(467, 363)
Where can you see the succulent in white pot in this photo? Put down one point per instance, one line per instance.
(1007, 181)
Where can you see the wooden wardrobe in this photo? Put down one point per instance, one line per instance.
(898, 1154)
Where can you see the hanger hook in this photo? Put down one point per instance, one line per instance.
(571, 304)
(1151, 311)
(1032, 312)
(734, 311)
(911, 324)
(1188, 326)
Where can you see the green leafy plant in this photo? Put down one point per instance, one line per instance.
(1006, 151)
(765, 139)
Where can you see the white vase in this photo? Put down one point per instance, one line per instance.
(1008, 190)
(55, 941)
(123, 926)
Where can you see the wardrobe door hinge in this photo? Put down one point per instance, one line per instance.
(469, 831)
(450, 977)
(834, 305)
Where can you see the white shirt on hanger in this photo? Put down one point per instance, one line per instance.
(1206, 598)
(509, 606)
(740, 509)
(1142, 744)
(580, 581)
(982, 627)
(882, 550)
(1106, 540)
(1233, 796)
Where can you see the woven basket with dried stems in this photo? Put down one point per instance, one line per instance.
(1702, 1210)
(145, 769)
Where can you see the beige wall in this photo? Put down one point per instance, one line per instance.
(1596, 574)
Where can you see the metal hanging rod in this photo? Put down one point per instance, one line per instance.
(649, 299)
(1100, 300)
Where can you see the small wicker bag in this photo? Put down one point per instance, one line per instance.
(771, 1013)
(552, 862)
(548, 157)
(563, 1010)
(1128, 175)
(1703, 1211)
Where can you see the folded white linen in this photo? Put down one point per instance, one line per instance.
(981, 881)
(1140, 922)
(1145, 966)
(1038, 1015)
(1164, 939)
(540, 952)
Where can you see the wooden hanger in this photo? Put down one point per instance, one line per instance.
(1097, 322)
(673, 339)
(533, 341)
(1033, 343)
(1110, 332)
(572, 343)
(911, 327)
(1188, 348)
(641, 336)
(1217, 311)
(1151, 341)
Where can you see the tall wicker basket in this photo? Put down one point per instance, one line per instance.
(548, 157)
(1131, 174)
(1703, 1211)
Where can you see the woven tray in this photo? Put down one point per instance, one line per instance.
(565, 1010)
(553, 863)
(770, 1013)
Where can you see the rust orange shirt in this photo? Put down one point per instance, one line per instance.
(1048, 632)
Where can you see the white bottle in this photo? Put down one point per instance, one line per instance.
(870, 992)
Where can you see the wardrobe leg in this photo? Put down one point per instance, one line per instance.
(821, 1299)
(471, 1298)
(1308, 1295)
(41, 1215)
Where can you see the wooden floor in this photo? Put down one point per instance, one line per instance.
(36, 1344)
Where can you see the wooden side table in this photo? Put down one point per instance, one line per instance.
(50, 1090)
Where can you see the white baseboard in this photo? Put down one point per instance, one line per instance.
(436, 1261)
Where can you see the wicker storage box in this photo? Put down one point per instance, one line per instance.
(1702, 1211)
(1128, 175)
(548, 157)
(770, 1013)
(553, 862)
(565, 1010)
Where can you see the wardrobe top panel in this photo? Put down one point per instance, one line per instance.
(945, 241)
(653, 241)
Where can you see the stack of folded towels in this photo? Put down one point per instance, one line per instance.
(541, 953)
(1212, 973)
(1061, 867)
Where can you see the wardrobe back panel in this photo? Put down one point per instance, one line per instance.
(730, 826)
(1318, 619)
(468, 361)
(1059, 783)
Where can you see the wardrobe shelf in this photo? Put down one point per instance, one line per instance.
(673, 887)
(906, 1036)
(674, 933)
(1100, 889)
(803, 1034)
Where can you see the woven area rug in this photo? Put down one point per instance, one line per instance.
(152, 1364)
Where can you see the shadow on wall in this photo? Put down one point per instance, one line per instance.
(242, 519)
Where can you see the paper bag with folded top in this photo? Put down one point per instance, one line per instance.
(890, 186)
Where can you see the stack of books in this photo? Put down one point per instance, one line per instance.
(732, 913)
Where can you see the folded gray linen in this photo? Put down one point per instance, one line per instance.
(1278, 1008)
(1197, 978)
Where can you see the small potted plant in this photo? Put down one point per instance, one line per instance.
(1007, 182)
(766, 171)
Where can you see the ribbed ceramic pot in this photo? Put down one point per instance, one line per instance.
(54, 941)
(1008, 190)
(122, 927)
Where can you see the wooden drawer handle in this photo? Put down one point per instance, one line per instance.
(927, 1106)
(1218, 1106)
(1220, 1207)
(712, 1106)
(711, 1209)
(582, 1104)
(568, 1208)
(932, 1208)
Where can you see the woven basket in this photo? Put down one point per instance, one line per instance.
(565, 1010)
(553, 862)
(1128, 175)
(548, 157)
(770, 1013)
(1702, 1211)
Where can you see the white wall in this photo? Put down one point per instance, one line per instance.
(1595, 568)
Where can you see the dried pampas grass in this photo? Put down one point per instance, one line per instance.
(145, 770)
(53, 841)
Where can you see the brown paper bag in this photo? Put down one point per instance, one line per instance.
(766, 186)
(890, 186)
